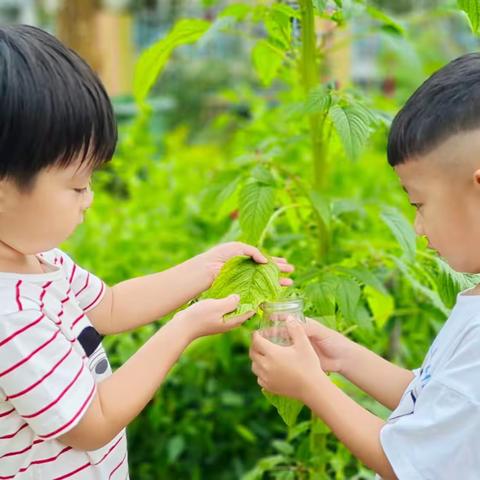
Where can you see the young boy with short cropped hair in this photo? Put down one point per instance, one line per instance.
(433, 430)
(62, 412)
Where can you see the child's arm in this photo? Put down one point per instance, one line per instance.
(378, 377)
(142, 300)
(295, 371)
(122, 396)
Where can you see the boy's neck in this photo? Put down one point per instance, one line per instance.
(12, 261)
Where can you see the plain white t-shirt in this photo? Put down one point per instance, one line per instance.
(434, 433)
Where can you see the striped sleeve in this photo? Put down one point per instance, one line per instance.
(42, 375)
(88, 288)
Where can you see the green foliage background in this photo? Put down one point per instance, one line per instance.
(294, 161)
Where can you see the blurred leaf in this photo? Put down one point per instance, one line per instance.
(257, 202)
(154, 58)
(347, 296)
(472, 9)
(386, 21)
(381, 305)
(176, 445)
(288, 408)
(267, 61)
(263, 465)
(320, 5)
(402, 230)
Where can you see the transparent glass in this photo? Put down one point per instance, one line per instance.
(275, 315)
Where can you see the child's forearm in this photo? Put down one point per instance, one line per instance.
(142, 300)
(376, 376)
(355, 427)
(123, 395)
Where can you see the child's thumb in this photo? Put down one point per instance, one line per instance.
(228, 304)
(297, 332)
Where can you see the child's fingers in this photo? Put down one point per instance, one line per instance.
(227, 304)
(260, 344)
(236, 321)
(286, 282)
(252, 252)
(285, 267)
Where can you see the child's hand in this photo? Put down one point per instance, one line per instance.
(286, 370)
(332, 347)
(206, 317)
(215, 258)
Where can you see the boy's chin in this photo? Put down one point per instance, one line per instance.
(462, 266)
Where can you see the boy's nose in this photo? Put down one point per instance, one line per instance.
(88, 199)
(418, 226)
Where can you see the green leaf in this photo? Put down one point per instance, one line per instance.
(267, 61)
(254, 282)
(287, 408)
(381, 305)
(348, 295)
(283, 447)
(322, 207)
(450, 283)
(322, 297)
(352, 123)
(320, 5)
(402, 231)
(433, 296)
(175, 447)
(388, 23)
(237, 10)
(257, 202)
(153, 60)
(472, 9)
(365, 276)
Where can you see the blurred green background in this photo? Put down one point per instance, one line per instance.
(290, 101)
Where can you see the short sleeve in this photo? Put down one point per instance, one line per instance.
(87, 287)
(42, 375)
(439, 438)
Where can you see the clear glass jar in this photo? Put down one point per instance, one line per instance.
(275, 315)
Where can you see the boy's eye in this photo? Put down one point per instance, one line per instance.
(81, 190)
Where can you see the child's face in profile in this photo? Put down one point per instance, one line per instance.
(444, 186)
(41, 219)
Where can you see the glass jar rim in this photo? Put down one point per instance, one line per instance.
(285, 304)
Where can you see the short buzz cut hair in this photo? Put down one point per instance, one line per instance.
(53, 107)
(447, 103)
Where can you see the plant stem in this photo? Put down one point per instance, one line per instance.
(309, 73)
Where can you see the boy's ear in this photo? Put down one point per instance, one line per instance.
(476, 177)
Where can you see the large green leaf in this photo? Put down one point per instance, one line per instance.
(287, 408)
(348, 295)
(382, 305)
(257, 201)
(153, 60)
(402, 231)
(472, 9)
(450, 283)
(254, 282)
(352, 122)
(267, 61)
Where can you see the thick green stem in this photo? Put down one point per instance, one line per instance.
(309, 71)
(310, 77)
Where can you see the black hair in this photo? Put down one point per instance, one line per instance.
(53, 107)
(447, 103)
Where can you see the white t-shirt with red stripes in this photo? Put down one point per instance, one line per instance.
(51, 359)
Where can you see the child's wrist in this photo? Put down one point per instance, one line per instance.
(351, 348)
(183, 327)
(311, 384)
